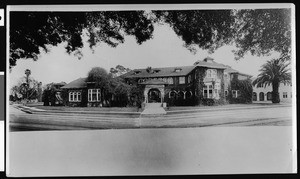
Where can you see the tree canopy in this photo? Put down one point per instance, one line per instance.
(31, 32)
(258, 31)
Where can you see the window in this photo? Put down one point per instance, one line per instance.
(189, 78)
(170, 80)
(235, 93)
(75, 96)
(284, 94)
(177, 70)
(181, 80)
(226, 93)
(208, 91)
(208, 74)
(94, 95)
(214, 73)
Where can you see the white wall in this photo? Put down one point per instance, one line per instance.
(282, 88)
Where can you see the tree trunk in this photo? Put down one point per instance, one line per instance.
(275, 93)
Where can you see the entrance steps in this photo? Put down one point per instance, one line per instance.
(153, 109)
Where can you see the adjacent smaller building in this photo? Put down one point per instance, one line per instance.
(264, 93)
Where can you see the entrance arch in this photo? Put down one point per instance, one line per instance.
(154, 95)
(254, 96)
(261, 96)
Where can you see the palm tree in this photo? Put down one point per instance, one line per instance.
(27, 73)
(274, 72)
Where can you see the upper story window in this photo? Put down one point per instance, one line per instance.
(211, 73)
(181, 80)
(136, 72)
(284, 94)
(94, 95)
(177, 70)
(170, 80)
(156, 71)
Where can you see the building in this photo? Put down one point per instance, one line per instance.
(264, 93)
(205, 82)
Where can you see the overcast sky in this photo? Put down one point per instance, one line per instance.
(165, 49)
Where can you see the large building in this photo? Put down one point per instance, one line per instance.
(202, 83)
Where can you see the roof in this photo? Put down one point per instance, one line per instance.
(153, 82)
(60, 84)
(210, 63)
(231, 70)
(159, 72)
(79, 83)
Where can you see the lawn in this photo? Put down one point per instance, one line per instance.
(135, 109)
(67, 108)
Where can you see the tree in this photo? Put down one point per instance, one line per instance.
(100, 78)
(261, 31)
(258, 31)
(119, 70)
(207, 29)
(27, 89)
(273, 73)
(31, 32)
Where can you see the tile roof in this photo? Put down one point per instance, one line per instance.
(159, 72)
(79, 83)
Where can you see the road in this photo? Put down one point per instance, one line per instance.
(252, 116)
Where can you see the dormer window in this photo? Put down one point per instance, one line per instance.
(136, 72)
(177, 70)
(156, 71)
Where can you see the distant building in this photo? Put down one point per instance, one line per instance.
(204, 81)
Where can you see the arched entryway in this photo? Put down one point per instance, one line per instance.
(154, 95)
(254, 96)
(261, 96)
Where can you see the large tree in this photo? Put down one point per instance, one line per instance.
(261, 31)
(273, 73)
(258, 31)
(31, 32)
(206, 29)
(27, 88)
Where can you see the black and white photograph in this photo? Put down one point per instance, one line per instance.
(134, 90)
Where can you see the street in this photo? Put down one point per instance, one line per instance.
(252, 116)
(215, 141)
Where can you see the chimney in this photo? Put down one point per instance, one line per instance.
(208, 60)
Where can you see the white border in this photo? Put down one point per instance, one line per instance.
(294, 90)
(7, 91)
(126, 7)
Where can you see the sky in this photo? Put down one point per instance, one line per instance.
(165, 49)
